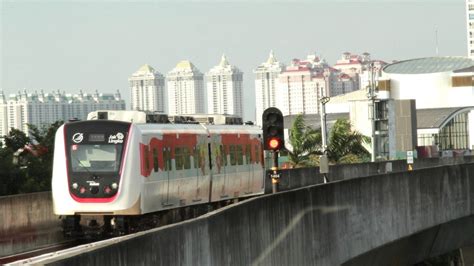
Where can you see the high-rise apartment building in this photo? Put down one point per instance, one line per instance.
(40, 109)
(185, 89)
(470, 27)
(303, 83)
(147, 86)
(266, 78)
(224, 89)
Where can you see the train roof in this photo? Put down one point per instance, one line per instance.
(198, 128)
(146, 117)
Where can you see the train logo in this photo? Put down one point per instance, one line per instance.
(118, 138)
(78, 137)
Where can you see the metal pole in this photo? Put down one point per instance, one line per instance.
(275, 175)
(372, 99)
(323, 167)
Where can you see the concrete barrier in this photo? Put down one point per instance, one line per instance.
(319, 225)
(27, 222)
(300, 177)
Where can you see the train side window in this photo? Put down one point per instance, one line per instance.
(167, 159)
(178, 158)
(196, 157)
(247, 154)
(239, 155)
(155, 160)
(233, 160)
(187, 158)
(182, 158)
(223, 155)
(257, 154)
(147, 159)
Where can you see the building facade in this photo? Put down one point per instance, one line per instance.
(266, 78)
(185, 90)
(301, 85)
(360, 69)
(148, 90)
(224, 89)
(40, 109)
(443, 88)
(470, 27)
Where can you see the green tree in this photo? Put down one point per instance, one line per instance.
(304, 141)
(33, 172)
(16, 139)
(40, 158)
(346, 145)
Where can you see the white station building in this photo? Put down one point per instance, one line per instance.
(443, 90)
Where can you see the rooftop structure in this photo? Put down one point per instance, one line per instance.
(429, 65)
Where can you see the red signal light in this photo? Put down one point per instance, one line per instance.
(274, 143)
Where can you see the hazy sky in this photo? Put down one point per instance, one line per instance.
(89, 45)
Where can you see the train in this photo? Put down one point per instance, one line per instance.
(121, 166)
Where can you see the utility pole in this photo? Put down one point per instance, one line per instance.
(323, 159)
(371, 95)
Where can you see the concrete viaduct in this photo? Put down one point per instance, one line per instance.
(397, 218)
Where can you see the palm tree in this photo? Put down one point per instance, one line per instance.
(345, 145)
(304, 141)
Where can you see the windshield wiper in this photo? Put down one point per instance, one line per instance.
(93, 176)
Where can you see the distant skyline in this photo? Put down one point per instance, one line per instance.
(97, 45)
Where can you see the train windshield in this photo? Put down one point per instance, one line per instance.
(96, 157)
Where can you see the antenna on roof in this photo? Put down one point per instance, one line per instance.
(436, 39)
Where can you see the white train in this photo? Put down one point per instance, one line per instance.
(112, 168)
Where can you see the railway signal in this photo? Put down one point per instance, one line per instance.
(273, 136)
(273, 140)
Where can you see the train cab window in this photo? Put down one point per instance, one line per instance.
(97, 157)
(155, 160)
(182, 158)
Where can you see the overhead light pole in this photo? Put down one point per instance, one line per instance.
(372, 112)
(323, 159)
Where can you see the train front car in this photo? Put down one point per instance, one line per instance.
(88, 174)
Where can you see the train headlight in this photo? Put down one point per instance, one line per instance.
(107, 190)
(75, 186)
(82, 190)
(114, 185)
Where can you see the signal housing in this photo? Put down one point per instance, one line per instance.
(273, 134)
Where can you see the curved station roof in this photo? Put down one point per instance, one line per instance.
(429, 65)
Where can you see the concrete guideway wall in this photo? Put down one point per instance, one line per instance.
(26, 222)
(319, 225)
(300, 177)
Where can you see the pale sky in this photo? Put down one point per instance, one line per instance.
(89, 45)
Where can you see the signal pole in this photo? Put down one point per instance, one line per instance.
(275, 175)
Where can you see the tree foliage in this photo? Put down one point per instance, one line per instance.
(26, 161)
(304, 141)
(344, 144)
